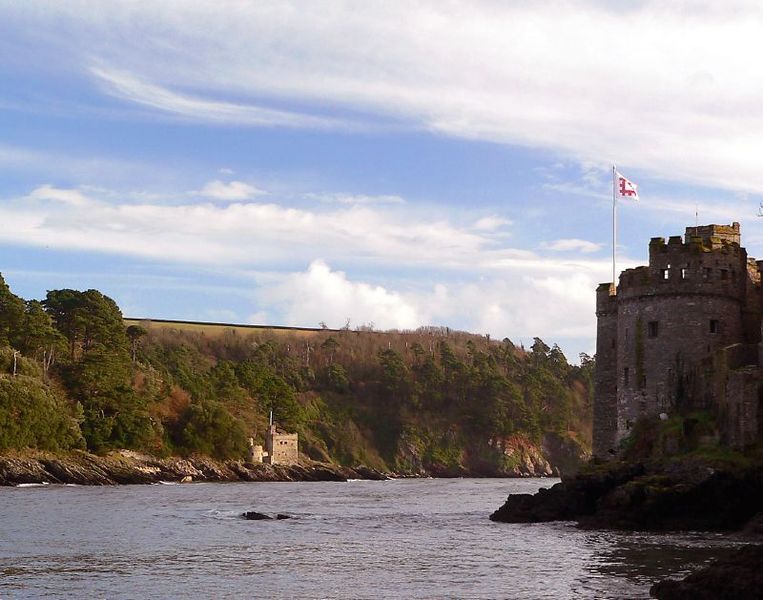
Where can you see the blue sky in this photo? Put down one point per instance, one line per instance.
(392, 163)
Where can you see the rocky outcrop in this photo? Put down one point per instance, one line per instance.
(253, 515)
(127, 467)
(568, 500)
(738, 575)
(645, 498)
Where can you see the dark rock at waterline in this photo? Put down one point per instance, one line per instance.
(364, 472)
(570, 499)
(640, 498)
(709, 500)
(738, 575)
(253, 515)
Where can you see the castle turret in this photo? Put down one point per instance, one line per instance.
(605, 402)
(698, 295)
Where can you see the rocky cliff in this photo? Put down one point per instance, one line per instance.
(125, 466)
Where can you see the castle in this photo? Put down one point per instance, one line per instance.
(680, 334)
(281, 448)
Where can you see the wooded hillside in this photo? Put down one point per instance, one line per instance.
(75, 374)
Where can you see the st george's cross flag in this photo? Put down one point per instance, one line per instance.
(625, 188)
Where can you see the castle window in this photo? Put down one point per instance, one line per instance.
(643, 382)
(685, 272)
(706, 273)
(665, 274)
(625, 376)
(715, 326)
(724, 274)
(652, 328)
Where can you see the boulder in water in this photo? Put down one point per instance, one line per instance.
(253, 515)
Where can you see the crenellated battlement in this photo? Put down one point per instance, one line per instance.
(696, 264)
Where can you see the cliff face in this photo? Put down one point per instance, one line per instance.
(515, 455)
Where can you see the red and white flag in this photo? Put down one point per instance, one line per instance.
(625, 188)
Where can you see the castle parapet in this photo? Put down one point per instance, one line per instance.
(710, 263)
(715, 236)
(606, 298)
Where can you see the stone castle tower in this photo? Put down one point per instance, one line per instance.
(681, 333)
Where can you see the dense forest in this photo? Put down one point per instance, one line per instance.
(74, 374)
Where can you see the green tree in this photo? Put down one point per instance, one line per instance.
(11, 315)
(88, 320)
(33, 415)
(40, 339)
(135, 333)
(208, 428)
(330, 346)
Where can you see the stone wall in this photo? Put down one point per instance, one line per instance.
(283, 448)
(605, 407)
(740, 411)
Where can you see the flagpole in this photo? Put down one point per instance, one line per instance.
(614, 225)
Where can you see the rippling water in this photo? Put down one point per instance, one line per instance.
(361, 539)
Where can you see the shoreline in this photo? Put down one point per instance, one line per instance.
(125, 467)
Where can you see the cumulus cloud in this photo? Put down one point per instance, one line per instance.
(571, 245)
(231, 191)
(320, 294)
(555, 75)
(518, 304)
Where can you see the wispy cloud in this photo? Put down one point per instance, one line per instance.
(128, 87)
(231, 191)
(554, 75)
(568, 245)
(358, 199)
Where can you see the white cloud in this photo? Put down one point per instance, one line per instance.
(445, 272)
(490, 223)
(585, 79)
(518, 305)
(251, 233)
(72, 197)
(568, 245)
(320, 294)
(231, 191)
(361, 199)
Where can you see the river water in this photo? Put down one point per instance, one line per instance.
(424, 538)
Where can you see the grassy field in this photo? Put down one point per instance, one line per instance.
(217, 329)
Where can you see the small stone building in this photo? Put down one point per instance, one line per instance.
(282, 447)
(256, 453)
(682, 333)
